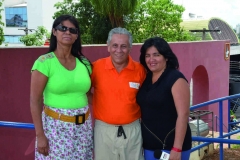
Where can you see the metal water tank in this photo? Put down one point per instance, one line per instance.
(203, 128)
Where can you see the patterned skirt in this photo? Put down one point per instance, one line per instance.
(67, 141)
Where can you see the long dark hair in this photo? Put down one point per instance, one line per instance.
(76, 50)
(163, 48)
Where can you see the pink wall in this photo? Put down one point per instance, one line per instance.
(202, 61)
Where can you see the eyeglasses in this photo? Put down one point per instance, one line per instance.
(64, 29)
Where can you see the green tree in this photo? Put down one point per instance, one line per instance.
(36, 39)
(115, 9)
(1, 23)
(157, 18)
(93, 27)
(150, 18)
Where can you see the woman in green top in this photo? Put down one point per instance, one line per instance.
(61, 78)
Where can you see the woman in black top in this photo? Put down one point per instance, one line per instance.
(164, 99)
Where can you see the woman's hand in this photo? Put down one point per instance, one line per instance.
(175, 155)
(42, 145)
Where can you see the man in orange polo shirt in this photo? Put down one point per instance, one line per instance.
(116, 80)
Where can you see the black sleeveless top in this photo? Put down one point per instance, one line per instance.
(159, 112)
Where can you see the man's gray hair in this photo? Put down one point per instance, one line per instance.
(120, 30)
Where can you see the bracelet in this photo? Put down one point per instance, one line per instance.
(176, 149)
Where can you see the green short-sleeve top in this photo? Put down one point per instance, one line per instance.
(65, 88)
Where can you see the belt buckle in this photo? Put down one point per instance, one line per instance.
(83, 119)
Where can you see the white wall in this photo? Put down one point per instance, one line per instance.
(34, 13)
(48, 12)
(9, 3)
(40, 13)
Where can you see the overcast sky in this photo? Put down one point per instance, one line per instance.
(227, 10)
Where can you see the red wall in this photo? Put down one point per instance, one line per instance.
(202, 61)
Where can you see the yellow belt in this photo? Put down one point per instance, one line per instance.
(77, 119)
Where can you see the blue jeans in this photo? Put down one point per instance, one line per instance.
(149, 154)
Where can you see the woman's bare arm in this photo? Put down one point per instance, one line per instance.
(38, 83)
(181, 96)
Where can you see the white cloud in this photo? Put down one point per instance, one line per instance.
(227, 10)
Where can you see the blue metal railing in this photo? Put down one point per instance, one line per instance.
(207, 141)
(221, 136)
(16, 125)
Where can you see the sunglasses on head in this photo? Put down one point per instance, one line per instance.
(64, 29)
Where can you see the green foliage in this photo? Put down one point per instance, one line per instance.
(231, 113)
(115, 9)
(150, 18)
(81, 10)
(36, 39)
(93, 26)
(157, 18)
(1, 23)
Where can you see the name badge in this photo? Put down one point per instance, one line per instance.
(164, 156)
(134, 85)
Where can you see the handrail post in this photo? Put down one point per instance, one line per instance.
(229, 126)
(221, 128)
(216, 123)
(198, 133)
(212, 126)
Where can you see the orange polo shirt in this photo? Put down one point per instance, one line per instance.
(114, 98)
